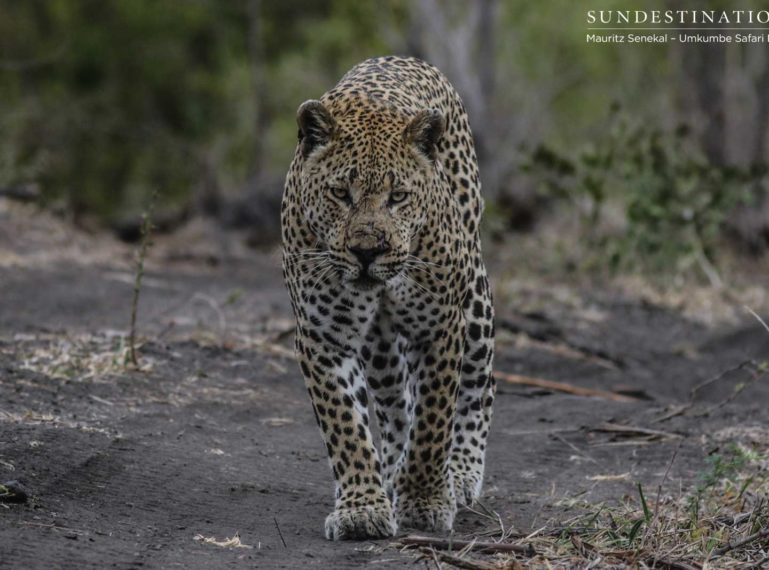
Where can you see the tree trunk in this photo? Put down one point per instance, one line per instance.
(486, 65)
(707, 65)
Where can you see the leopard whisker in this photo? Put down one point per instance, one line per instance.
(424, 270)
(309, 263)
(421, 287)
(314, 270)
(413, 257)
(305, 254)
(323, 276)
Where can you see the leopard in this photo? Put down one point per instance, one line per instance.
(380, 223)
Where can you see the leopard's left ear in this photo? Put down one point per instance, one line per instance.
(424, 131)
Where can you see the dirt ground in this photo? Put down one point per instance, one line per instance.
(213, 437)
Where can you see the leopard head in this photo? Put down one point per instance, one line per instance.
(365, 182)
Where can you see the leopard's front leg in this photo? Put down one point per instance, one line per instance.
(335, 381)
(424, 488)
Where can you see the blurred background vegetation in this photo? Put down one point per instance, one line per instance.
(657, 151)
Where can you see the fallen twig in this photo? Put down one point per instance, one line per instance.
(760, 564)
(483, 547)
(701, 385)
(622, 429)
(670, 564)
(756, 371)
(584, 549)
(678, 410)
(464, 563)
(758, 318)
(277, 526)
(576, 449)
(433, 556)
(764, 533)
(562, 387)
(673, 411)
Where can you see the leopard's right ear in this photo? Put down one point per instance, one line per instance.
(316, 126)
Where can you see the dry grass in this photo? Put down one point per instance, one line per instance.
(82, 356)
(103, 358)
(549, 268)
(232, 542)
(34, 238)
(92, 356)
(31, 417)
(720, 522)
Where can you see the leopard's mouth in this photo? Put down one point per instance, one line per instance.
(366, 282)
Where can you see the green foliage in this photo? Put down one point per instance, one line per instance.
(646, 510)
(723, 468)
(674, 203)
(103, 102)
(119, 101)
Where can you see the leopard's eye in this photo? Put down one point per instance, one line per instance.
(341, 194)
(398, 196)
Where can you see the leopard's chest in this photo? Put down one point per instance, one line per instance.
(349, 315)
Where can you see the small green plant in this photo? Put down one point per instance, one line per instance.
(144, 245)
(724, 466)
(647, 512)
(721, 467)
(673, 200)
(233, 296)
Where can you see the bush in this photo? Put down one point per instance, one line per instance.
(674, 202)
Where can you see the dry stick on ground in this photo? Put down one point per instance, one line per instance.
(683, 408)
(283, 540)
(433, 555)
(146, 234)
(759, 319)
(756, 371)
(485, 547)
(562, 387)
(701, 385)
(494, 516)
(673, 411)
(764, 533)
(621, 429)
(669, 563)
(576, 449)
(458, 562)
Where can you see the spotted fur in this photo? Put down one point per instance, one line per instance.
(382, 260)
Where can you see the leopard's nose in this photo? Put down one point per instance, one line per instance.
(367, 255)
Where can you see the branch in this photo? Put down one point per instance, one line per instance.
(484, 547)
(562, 387)
(731, 546)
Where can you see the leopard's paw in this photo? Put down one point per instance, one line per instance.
(359, 523)
(426, 513)
(467, 487)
